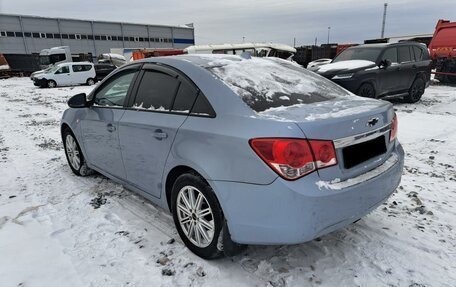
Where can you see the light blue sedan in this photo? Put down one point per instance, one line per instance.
(241, 150)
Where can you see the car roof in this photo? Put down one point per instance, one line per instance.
(73, 63)
(384, 45)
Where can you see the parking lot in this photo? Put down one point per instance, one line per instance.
(69, 231)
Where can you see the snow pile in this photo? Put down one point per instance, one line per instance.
(4, 67)
(346, 65)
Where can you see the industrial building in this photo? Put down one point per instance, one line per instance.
(23, 34)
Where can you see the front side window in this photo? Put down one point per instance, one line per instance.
(115, 90)
(404, 54)
(156, 91)
(390, 54)
(63, 70)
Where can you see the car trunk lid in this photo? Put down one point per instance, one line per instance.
(358, 127)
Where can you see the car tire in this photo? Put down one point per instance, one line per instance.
(74, 155)
(197, 215)
(366, 90)
(90, 82)
(51, 84)
(416, 91)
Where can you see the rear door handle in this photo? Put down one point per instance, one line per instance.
(110, 128)
(159, 134)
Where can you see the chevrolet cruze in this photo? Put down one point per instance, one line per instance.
(240, 150)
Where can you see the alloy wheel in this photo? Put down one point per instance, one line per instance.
(51, 84)
(72, 151)
(195, 216)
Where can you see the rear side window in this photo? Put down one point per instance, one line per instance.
(81, 68)
(156, 91)
(202, 107)
(390, 54)
(185, 98)
(404, 54)
(418, 53)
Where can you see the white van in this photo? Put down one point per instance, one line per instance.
(65, 74)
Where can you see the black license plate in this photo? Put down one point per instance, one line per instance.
(359, 153)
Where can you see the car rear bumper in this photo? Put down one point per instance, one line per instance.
(290, 212)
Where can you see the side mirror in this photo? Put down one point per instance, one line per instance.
(78, 101)
(385, 64)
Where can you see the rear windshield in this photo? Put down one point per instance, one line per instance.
(368, 54)
(265, 83)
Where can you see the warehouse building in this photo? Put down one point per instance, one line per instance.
(22, 34)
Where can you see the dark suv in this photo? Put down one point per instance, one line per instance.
(378, 70)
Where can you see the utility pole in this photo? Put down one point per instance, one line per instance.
(294, 42)
(316, 41)
(243, 39)
(329, 30)
(384, 20)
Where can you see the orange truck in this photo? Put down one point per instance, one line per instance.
(443, 51)
(148, 53)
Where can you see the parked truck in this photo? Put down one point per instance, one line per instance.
(61, 54)
(442, 50)
(107, 63)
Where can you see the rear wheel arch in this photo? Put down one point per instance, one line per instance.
(172, 176)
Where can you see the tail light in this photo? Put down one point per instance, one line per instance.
(294, 158)
(393, 132)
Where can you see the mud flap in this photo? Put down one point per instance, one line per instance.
(227, 245)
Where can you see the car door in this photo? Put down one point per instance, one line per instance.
(389, 76)
(407, 67)
(100, 124)
(78, 73)
(147, 129)
(62, 76)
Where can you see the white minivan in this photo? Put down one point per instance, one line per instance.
(65, 74)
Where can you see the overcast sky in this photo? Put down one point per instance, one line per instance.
(267, 20)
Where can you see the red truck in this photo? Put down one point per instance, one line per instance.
(443, 51)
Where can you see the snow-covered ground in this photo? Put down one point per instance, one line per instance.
(57, 229)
